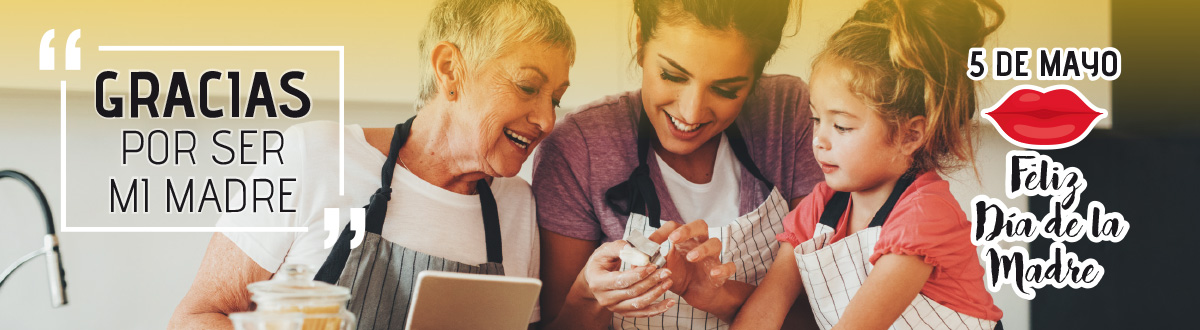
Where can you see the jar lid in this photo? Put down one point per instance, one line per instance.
(296, 281)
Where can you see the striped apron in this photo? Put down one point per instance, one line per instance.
(748, 241)
(834, 271)
(380, 273)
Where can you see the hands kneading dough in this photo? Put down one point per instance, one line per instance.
(642, 251)
(635, 257)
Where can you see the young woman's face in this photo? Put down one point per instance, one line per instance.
(850, 139)
(694, 82)
(510, 103)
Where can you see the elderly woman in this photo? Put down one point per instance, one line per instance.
(492, 73)
(709, 154)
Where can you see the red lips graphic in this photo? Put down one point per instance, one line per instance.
(1044, 118)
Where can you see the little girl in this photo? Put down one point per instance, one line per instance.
(882, 242)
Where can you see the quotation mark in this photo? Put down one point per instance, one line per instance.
(358, 221)
(46, 53)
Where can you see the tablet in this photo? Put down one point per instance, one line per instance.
(447, 300)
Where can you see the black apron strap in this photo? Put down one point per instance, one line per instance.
(376, 212)
(332, 268)
(491, 222)
(836, 206)
(377, 209)
(637, 192)
(738, 144)
(886, 209)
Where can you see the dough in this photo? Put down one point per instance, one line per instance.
(631, 255)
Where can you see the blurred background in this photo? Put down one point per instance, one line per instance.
(1141, 162)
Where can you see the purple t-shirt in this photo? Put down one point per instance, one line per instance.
(595, 148)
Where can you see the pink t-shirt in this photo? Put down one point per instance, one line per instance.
(927, 222)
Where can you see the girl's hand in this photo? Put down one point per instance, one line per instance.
(694, 261)
(631, 293)
(779, 302)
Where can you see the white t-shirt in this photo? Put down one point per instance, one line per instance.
(716, 201)
(420, 216)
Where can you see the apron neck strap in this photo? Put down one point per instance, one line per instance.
(885, 210)
(376, 212)
(491, 222)
(738, 144)
(638, 193)
(377, 209)
(332, 268)
(399, 138)
(836, 207)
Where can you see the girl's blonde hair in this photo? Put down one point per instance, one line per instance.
(908, 58)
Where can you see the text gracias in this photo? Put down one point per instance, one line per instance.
(161, 147)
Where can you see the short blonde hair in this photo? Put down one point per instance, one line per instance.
(484, 29)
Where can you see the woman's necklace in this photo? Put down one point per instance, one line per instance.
(401, 159)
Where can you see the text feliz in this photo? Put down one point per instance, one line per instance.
(1029, 173)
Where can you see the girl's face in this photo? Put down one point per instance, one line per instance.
(694, 82)
(850, 139)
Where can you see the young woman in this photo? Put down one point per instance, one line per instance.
(709, 154)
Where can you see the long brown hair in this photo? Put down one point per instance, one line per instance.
(908, 58)
(761, 22)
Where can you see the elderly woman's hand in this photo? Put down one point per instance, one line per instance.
(694, 261)
(631, 293)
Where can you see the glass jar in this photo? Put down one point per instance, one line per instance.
(293, 290)
(267, 321)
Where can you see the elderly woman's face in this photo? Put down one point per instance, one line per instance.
(694, 82)
(511, 100)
